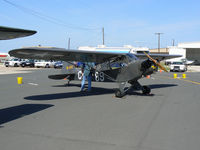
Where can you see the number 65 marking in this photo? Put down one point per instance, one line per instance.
(99, 76)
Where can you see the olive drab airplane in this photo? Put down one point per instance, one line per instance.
(7, 33)
(117, 67)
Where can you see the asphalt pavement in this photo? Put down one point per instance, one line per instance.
(46, 114)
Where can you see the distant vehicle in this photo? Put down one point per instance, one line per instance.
(15, 62)
(58, 64)
(27, 63)
(187, 62)
(44, 64)
(178, 66)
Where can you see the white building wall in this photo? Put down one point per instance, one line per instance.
(189, 45)
(173, 50)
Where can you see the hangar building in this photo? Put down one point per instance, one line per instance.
(188, 50)
(192, 50)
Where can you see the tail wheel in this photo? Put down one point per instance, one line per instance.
(118, 93)
(146, 90)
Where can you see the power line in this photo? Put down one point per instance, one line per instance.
(48, 18)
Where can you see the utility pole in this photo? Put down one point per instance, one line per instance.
(69, 43)
(173, 42)
(103, 35)
(158, 40)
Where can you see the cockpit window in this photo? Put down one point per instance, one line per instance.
(131, 57)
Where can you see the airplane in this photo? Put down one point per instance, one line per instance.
(7, 33)
(117, 67)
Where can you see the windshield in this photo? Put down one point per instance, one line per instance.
(177, 63)
(131, 57)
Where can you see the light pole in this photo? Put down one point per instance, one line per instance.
(69, 43)
(103, 35)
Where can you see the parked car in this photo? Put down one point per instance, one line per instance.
(58, 64)
(27, 63)
(14, 62)
(44, 63)
(178, 66)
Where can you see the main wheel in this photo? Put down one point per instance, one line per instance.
(118, 93)
(146, 90)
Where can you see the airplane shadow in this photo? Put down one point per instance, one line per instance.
(68, 85)
(157, 86)
(153, 86)
(16, 112)
(95, 91)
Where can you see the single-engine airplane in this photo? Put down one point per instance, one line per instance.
(117, 67)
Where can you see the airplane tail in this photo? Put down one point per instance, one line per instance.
(69, 68)
(68, 71)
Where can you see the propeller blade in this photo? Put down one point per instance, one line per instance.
(155, 62)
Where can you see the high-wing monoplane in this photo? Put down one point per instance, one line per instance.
(117, 67)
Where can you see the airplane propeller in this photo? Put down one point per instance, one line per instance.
(155, 62)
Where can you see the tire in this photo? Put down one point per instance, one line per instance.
(146, 90)
(23, 65)
(15, 65)
(47, 66)
(118, 93)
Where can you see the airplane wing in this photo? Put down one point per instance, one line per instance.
(157, 56)
(52, 53)
(7, 33)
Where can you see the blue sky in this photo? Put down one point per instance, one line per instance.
(127, 22)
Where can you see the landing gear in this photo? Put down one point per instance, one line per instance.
(135, 85)
(146, 90)
(118, 93)
(121, 91)
(68, 83)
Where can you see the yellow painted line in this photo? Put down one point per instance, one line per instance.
(194, 82)
(198, 83)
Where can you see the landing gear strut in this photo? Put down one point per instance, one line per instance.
(135, 85)
(121, 91)
(118, 93)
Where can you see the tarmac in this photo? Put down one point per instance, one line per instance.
(46, 114)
